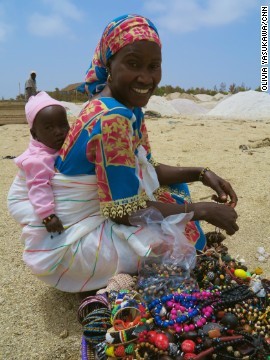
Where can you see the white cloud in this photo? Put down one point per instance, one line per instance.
(65, 8)
(183, 16)
(51, 25)
(4, 31)
(56, 23)
(5, 28)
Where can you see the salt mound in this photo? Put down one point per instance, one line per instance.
(204, 97)
(174, 95)
(186, 106)
(250, 105)
(209, 105)
(73, 109)
(161, 105)
(219, 96)
(178, 95)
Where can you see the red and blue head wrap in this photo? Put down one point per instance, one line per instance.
(120, 32)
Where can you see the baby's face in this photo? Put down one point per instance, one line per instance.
(51, 126)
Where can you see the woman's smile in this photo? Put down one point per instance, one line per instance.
(141, 91)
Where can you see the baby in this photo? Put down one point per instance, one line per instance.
(47, 119)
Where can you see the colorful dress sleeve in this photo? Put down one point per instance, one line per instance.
(118, 176)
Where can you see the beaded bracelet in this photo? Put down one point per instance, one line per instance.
(127, 295)
(90, 304)
(48, 219)
(201, 176)
(130, 304)
(121, 336)
(126, 318)
(151, 350)
(123, 325)
(96, 325)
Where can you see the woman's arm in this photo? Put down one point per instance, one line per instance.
(168, 175)
(219, 215)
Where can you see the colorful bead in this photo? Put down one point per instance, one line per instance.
(110, 351)
(188, 346)
(240, 273)
(189, 356)
(119, 351)
(161, 341)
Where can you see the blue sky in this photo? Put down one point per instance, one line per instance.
(205, 42)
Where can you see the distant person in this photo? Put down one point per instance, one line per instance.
(31, 86)
(47, 119)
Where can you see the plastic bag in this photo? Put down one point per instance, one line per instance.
(167, 267)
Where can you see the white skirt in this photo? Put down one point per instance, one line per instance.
(92, 248)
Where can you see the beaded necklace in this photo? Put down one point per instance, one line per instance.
(259, 348)
(185, 311)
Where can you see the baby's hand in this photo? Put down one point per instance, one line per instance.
(53, 224)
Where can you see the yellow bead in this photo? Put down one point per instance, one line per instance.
(110, 351)
(258, 271)
(240, 273)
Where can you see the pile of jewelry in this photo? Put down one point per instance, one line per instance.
(221, 311)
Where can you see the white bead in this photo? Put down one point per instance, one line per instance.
(260, 250)
(261, 258)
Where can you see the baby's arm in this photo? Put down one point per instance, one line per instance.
(39, 171)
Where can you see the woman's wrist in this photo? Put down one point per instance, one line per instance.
(202, 173)
(191, 174)
(198, 210)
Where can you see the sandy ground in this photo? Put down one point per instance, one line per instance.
(38, 322)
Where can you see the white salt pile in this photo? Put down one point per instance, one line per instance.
(179, 105)
(161, 105)
(174, 95)
(73, 109)
(187, 107)
(219, 96)
(178, 95)
(250, 105)
(204, 97)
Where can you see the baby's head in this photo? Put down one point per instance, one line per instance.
(47, 119)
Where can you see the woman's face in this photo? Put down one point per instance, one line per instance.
(135, 73)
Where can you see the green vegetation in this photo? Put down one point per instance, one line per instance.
(232, 89)
(77, 97)
(69, 96)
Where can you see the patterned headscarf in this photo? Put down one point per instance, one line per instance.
(120, 32)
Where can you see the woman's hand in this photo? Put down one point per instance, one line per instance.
(222, 187)
(219, 215)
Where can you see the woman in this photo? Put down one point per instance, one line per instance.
(107, 158)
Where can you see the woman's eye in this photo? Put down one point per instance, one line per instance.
(155, 66)
(133, 64)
